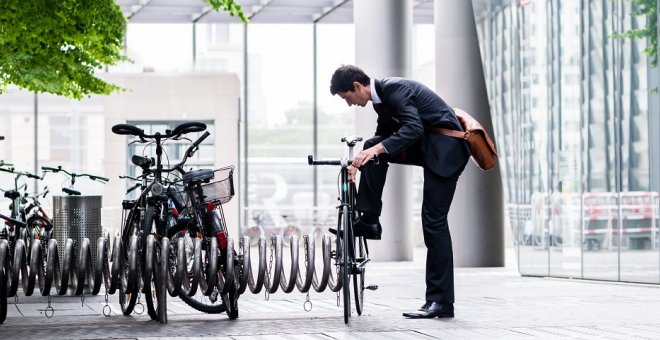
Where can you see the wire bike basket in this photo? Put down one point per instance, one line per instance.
(221, 189)
(218, 191)
(77, 217)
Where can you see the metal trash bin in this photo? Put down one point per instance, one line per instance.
(77, 217)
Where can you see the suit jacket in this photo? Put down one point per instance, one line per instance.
(407, 108)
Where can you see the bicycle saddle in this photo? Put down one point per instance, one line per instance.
(143, 162)
(12, 194)
(198, 176)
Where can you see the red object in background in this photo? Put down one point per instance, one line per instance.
(524, 3)
(222, 239)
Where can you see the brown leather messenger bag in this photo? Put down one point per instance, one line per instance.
(482, 147)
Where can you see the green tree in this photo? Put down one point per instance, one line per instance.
(56, 46)
(649, 9)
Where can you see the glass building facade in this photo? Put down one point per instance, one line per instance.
(575, 112)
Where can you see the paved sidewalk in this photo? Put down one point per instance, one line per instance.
(492, 303)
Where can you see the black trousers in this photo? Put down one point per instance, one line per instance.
(438, 195)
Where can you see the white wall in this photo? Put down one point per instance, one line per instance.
(186, 96)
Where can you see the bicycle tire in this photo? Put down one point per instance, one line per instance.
(3, 281)
(230, 299)
(346, 257)
(199, 301)
(154, 269)
(203, 307)
(358, 277)
(150, 288)
(128, 290)
(161, 284)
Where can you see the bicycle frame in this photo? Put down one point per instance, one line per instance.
(347, 244)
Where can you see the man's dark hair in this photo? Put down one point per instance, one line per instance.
(343, 78)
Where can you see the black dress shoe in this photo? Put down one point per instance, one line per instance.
(433, 310)
(425, 306)
(368, 231)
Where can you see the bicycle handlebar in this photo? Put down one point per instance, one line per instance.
(74, 175)
(201, 139)
(20, 173)
(188, 127)
(126, 129)
(16, 222)
(189, 153)
(311, 161)
(343, 162)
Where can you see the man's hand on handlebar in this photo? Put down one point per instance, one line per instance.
(366, 155)
(352, 174)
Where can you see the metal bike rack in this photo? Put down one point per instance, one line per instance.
(72, 272)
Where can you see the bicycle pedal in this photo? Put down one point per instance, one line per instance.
(372, 287)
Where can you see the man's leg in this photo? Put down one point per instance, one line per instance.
(372, 181)
(438, 195)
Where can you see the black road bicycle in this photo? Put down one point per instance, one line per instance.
(351, 254)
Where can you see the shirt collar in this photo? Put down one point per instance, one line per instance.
(374, 96)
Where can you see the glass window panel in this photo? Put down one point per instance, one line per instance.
(279, 126)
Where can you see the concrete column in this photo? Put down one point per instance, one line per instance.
(476, 218)
(383, 35)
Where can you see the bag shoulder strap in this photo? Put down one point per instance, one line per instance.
(447, 132)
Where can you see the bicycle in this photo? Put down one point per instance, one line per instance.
(154, 203)
(352, 253)
(199, 200)
(146, 217)
(34, 221)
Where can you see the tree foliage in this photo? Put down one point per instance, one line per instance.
(649, 9)
(228, 6)
(57, 46)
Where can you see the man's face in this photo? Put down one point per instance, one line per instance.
(359, 96)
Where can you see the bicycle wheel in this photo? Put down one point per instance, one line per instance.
(358, 275)
(150, 288)
(204, 304)
(155, 269)
(207, 304)
(3, 281)
(128, 290)
(230, 299)
(346, 237)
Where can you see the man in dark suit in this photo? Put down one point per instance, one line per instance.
(406, 109)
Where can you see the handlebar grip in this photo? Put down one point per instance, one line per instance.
(188, 127)
(47, 168)
(33, 176)
(201, 138)
(126, 129)
(311, 161)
